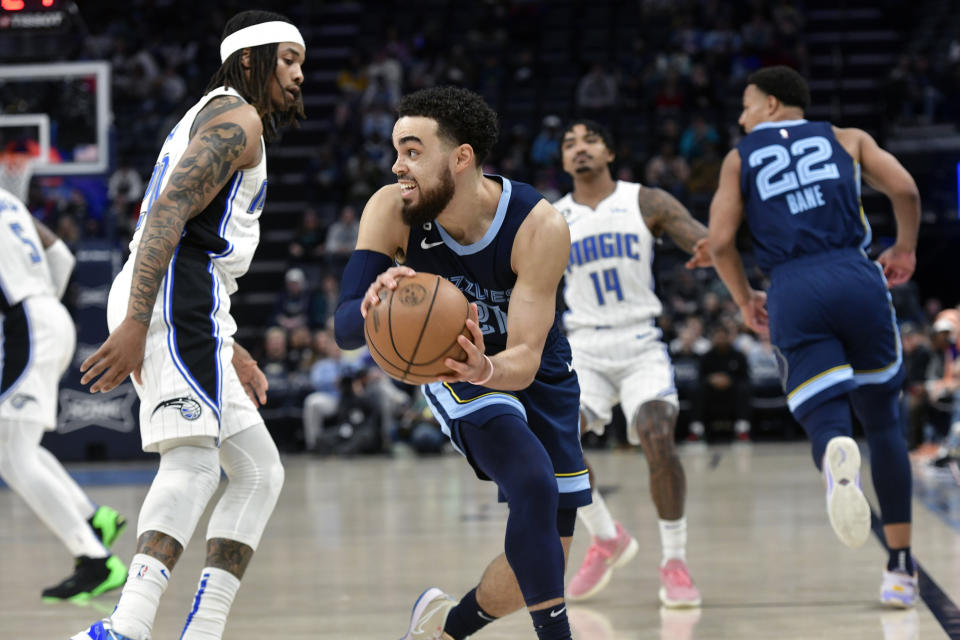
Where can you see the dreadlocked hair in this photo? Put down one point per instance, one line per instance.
(254, 84)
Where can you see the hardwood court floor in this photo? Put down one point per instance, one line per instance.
(353, 542)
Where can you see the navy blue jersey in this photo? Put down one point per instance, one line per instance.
(801, 192)
(482, 270)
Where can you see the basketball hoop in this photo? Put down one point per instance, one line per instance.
(16, 169)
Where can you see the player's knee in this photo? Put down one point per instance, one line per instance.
(655, 424)
(251, 461)
(273, 476)
(532, 486)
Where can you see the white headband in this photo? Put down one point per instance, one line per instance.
(255, 35)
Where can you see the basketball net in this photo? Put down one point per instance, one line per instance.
(16, 169)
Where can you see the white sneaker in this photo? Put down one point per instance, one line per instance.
(429, 615)
(899, 589)
(847, 507)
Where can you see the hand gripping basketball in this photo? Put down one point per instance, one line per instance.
(388, 279)
(477, 368)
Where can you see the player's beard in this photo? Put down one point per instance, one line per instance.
(431, 203)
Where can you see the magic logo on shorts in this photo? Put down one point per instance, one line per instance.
(188, 407)
(20, 400)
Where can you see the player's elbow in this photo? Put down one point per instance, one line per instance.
(909, 193)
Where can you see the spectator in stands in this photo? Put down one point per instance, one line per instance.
(274, 363)
(352, 79)
(325, 300)
(916, 360)
(300, 353)
(684, 293)
(758, 33)
(293, 306)
(685, 355)
(670, 97)
(545, 150)
(696, 136)
(704, 176)
(418, 428)
(724, 392)
(690, 338)
(942, 379)
(944, 391)
(308, 241)
(324, 398)
(701, 93)
(385, 78)
(342, 234)
(324, 176)
(667, 170)
(597, 90)
(766, 388)
(125, 183)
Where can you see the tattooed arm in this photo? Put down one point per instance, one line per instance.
(226, 139)
(664, 214)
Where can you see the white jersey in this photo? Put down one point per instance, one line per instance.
(23, 263)
(609, 278)
(228, 230)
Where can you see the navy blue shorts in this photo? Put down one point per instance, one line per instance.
(834, 326)
(550, 407)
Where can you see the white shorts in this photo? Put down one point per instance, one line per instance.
(38, 339)
(628, 365)
(190, 388)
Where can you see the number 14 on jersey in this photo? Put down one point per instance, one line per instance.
(610, 284)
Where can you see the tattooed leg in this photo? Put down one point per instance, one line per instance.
(160, 546)
(228, 555)
(655, 422)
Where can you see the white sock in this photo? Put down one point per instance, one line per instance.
(673, 538)
(215, 594)
(146, 581)
(597, 519)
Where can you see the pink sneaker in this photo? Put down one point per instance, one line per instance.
(676, 585)
(603, 556)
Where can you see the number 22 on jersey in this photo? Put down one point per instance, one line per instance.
(773, 181)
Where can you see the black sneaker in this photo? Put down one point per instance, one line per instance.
(91, 577)
(107, 524)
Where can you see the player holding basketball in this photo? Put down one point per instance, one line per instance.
(169, 314)
(37, 340)
(617, 350)
(830, 316)
(512, 407)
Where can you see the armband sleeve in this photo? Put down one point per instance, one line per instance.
(362, 269)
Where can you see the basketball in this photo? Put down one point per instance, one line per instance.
(415, 327)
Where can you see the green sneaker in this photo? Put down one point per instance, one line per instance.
(91, 577)
(107, 524)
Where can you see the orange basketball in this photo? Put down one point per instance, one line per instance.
(415, 326)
